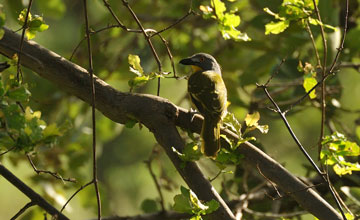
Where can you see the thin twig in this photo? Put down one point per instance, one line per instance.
(147, 38)
(190, 12)
(308, 29)
(282, 115)
(25, 26)
(170, 55)
(323, 85)
(23, 209)
(76, 192)
(31, 194)
(331, 70)
(5, 152)
(54, 174)
(95, 179)
(157, 184)
(91, 33)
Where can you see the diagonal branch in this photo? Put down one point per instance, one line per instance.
(160, 116)
(31, 194)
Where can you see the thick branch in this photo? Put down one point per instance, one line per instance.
(160, 116)
(31, 194)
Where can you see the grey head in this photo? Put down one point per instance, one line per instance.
(202, 60)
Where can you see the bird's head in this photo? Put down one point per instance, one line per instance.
(202, 62)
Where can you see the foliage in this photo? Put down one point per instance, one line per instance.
(35, 116)
(309, 78)
(337, 149)
(187, 202)
(227, 21)
(34, 24)
(299, 11)
(141, 78)
(23, 129)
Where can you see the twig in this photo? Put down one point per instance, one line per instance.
(333, 65)
(356, 66)
(25, 26)
(147, 38)
(5, 152)
(169, 54)
(158, 188)
(31, 194)
(190, 12)
(54, 174)
(308, 29)
(91, 33)
(95, 180)
(269, 181)
(76, 192)
(23, 209)
(323, 85)
(282, 115)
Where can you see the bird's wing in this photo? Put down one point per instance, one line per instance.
(208, 93)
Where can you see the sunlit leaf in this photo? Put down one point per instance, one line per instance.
(135, 66)
(252, 119)
(276, 27)
(219, 7)
(309, 83)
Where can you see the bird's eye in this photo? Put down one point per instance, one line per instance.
(201, 59)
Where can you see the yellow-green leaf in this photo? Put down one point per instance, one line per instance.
(252, 119)
(309, 83)
(135, 66)
(219, 7)
(276, 27)
(51, 130)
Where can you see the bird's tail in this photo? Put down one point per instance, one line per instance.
(210, 135)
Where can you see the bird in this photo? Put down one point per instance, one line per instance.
(208, 93)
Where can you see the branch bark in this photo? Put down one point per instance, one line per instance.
(161, 117)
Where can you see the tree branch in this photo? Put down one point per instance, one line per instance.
(161, 117)
(31, 194)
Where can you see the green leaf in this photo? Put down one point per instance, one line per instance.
(231, 20)
(135, 66)
(335, 151)
(309, 83)
(51, 130)
(219, 8)
(182, 204)
(191, 152)
(276, 27)
(212, 206)
(149, 206)
(14, 118)
(267, 10)
(22, 16)
(20, 94)
(138, 81)
(252, 119)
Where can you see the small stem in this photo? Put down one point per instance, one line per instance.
(95, 179)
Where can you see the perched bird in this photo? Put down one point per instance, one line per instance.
(208, 93)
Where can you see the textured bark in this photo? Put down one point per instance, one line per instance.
(161, 117)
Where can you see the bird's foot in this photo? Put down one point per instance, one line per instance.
(193, 112)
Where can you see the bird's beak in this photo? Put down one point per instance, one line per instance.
(187, 61)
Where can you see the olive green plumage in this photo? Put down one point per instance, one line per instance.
(208, 93)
